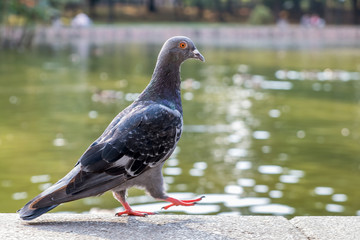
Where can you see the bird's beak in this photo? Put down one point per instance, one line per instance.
(197, 55)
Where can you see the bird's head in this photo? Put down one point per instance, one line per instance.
(178, 49)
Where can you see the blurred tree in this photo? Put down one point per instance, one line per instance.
(92, 5)
(318, 7)
(178, 9)
(237, 10)
(219, 10)
(111, 11)
(151, 6)
(261, 14)
(200, 5)
(26, 13)
(230, 6)
(296, 11)
(356, 11)
(229, 10)
(19, 18)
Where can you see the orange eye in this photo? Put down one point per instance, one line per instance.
(183, 45)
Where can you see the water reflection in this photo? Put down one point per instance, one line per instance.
(59, 141)
(243, 165)
(40, 178)
(339, 197)
(276, 194)
(172, 171)
(107, 96)
(19, 195)
(198, 169)
(274, 209)
(289, 179)
(233, 189)
(246, 182)
(316, 75)
(334, 208)
(323, 190)
(270, 169)
(261, 135)
(261, 188)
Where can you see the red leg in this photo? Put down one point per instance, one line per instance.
(177, 202)
(128, 211)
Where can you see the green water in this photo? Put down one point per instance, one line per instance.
(255, 141)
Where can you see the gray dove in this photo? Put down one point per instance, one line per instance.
(134, 147)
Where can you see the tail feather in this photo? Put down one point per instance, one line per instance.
(26, 213)
(43, 202)
(48, 199)
(75, 185)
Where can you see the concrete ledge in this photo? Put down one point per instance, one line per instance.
(328, 227)
(91, 226)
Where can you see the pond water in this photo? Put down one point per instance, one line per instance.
(267, 131)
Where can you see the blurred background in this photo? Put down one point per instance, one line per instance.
(272, 118)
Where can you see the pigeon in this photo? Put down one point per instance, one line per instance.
(134, 147)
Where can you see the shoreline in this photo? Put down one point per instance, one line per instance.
(222, 35)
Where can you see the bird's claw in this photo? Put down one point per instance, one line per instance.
(176, 202)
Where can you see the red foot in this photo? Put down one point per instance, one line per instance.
(176, 202)
(131, 212)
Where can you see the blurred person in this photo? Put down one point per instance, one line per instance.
(312, 21)
(305, 20)
(56, 22)
(316, 21)
(81, 20)
(283, 22)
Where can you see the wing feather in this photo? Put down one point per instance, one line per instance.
(138, 140)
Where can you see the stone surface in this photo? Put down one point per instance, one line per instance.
(89, 226)
(106, 226)
(319, 228)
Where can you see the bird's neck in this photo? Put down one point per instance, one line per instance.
(164, 86)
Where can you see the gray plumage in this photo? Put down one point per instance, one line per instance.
(134, 147)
